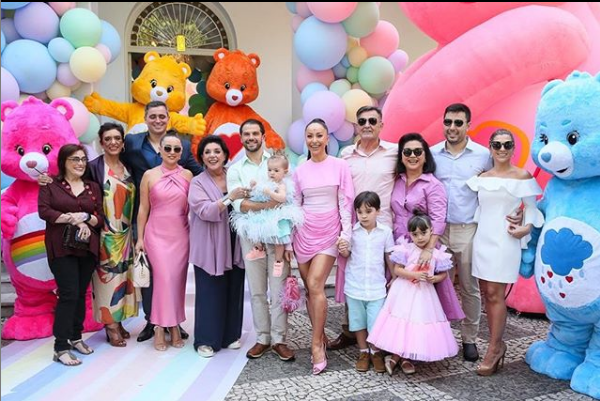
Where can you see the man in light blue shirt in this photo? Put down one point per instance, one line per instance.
(270, 323)
(458, 158)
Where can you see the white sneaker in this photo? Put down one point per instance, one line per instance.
(205, 351)
(237, 344)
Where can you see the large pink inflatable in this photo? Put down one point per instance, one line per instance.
(496, 58)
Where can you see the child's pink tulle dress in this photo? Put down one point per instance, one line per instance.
(412, 323)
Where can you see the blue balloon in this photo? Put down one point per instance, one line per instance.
(110, 38)
(333, 147)
(6, 180)
(60, 49)
(319, 45)
(13, 5)
(31, 65)
(291, 6)
(3, 41)
(310, 89)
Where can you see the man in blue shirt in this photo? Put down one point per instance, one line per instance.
(141, 153)
(459, 158)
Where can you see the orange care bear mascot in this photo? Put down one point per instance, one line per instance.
(32, 135)
(233, 84)
(162, 78)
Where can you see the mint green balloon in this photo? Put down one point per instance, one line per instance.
(352, 75)
(81, 27)
(376, 75)
(363, 20)
(91, 133)
(340, 86)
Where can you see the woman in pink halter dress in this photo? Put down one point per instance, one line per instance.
(163, 231)
(325, 192)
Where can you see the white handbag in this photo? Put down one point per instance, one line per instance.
(141, 271)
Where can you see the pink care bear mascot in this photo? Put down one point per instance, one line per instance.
(32, 134)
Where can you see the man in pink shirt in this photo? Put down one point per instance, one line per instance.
(372, 165)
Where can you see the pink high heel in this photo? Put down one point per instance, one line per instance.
(319, 366)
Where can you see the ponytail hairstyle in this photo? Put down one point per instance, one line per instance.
(419, 221)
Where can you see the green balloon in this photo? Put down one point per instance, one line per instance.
(363, 20)
(81, 27)
(376, 75)
(352, 75)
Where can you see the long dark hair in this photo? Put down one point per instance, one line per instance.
(428, 167)
(66, 151)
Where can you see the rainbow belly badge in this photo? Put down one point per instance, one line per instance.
(27, 248)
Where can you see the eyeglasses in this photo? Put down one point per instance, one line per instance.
(458, 123)
(363, 121)
(169, 149)
(496, 145)
(76, 159)
(408, 152)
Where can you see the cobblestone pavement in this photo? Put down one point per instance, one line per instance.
(268, 378)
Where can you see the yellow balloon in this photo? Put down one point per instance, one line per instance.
(57, 90)
(354, 99)
(87, 64)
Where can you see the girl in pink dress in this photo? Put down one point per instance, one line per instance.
(163, 232)
(412, 323)
(325, 192)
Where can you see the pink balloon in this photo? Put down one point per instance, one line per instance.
(382, 41)
(61, 7)
(81, 116)
(105, 51)
(306, 76)
(399, 59)
(296, 21)
(332, 12)
(345, 132)
(302, 9)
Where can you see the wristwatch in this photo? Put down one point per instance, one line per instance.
(226, 200)
(88, 217)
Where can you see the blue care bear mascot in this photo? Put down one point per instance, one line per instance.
(566, 252)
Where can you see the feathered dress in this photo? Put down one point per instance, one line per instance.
(269, 226)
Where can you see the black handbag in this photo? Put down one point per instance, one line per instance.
(72, 240)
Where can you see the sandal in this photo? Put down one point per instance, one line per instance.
(407, 367)
(66, 358)
(81, 347)
(124, 333)
(390, 364)
(114, 337)
(160, 342)
(176, 340)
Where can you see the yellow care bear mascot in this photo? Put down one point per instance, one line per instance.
(233, 84)
(162, 78)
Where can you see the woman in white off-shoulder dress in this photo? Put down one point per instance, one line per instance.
(497, 244)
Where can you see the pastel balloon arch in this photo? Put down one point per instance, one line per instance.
(350, 58)
(50, 50)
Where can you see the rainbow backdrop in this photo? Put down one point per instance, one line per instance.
(28, 248)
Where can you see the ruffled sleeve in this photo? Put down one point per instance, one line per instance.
(400, 252)
(443, 260)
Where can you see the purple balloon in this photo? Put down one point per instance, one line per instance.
(295, 136)
(10, 32)
(10, 87)
(326, 105)
(37, 21)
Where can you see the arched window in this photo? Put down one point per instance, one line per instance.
(158, 25)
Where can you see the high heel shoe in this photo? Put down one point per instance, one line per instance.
(483, 370)
(124, 333)
(176, 340)
(114, 337)
(318, 367)
(160, 343)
